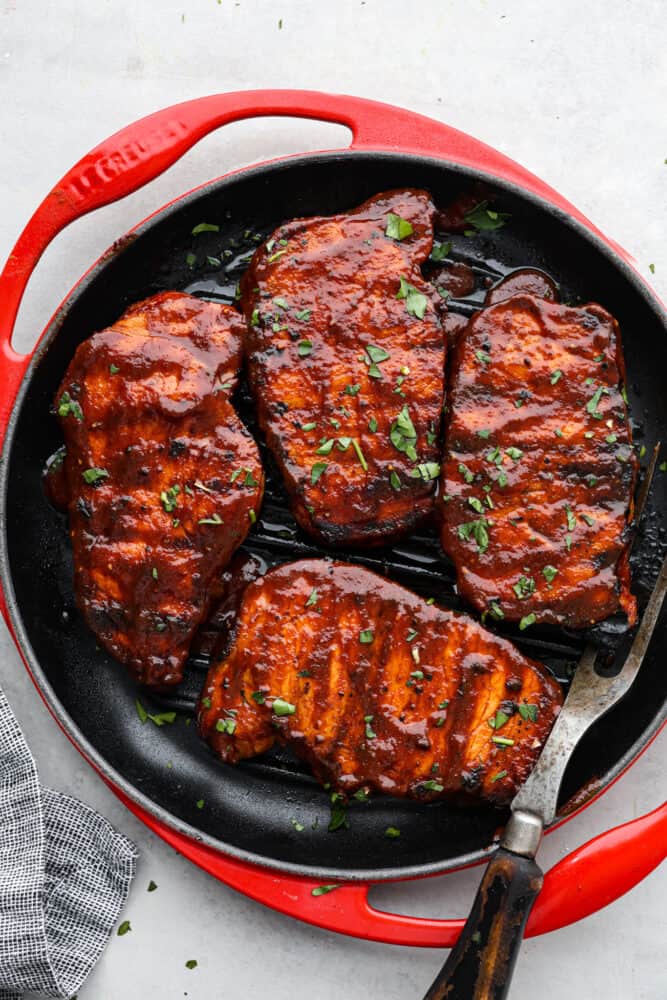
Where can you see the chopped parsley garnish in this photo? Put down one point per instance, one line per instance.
(426, 471)
(213, 519)
(299, 827)
(549, 572)
(392, 832)
(259, 697)
(412, 634)
(113, 369)
(360, 454)
(205, 489)
(377, 354)
(325, 447)
(528, 712)
(476, 505)
(394, 480)
(316, 471)
(191, 963)
(205, 227)
(571, 519)
(305, 348)
(191, 259)
(275, 256)
(254, 319)
(152, 886)
(398, 228)
(370, 734)
(524, 587)
(483, 219)
(322, 890)
(92, 476)
(483, 357)
(514, 453)
(158, 718)
(403, 434)
(477, 530)
(440, 251)
(309, 427)
(502, 480)
(499, 719)
(466, 473)
(527, 620)
(124, 928)
(594, 402)
(225, 726)
(498, 776)
(415, 302)
(282, 707)
(502, 741)
(556, 375)
(443, 704)
(372, 425)
(432, 786)
(312, 599)
(303, 315)
(496, 611)
(199, 803)
(338, 815)
(252, 516)
(154, 573)
(351, 390)
(483, 433)
(366, 636)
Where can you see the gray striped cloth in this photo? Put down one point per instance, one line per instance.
(65, 875)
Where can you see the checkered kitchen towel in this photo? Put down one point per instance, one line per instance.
(64, 877)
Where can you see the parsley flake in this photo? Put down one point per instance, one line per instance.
(403, 435)
(322, 890)
(93, 476)
(398, 228)
(483, 219)
(415, 302)
(67, 406)
(282, 707)
(528, 712)
(316, 472)
(366, 636)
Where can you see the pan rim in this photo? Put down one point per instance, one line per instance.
(20, 631)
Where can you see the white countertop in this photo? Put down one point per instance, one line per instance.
(574, 91)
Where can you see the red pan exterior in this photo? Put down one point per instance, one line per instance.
(589, 878)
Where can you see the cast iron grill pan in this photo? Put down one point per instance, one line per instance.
(257, 806)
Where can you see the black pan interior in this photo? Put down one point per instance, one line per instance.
(271, 809)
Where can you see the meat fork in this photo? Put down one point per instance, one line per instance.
(481, 964)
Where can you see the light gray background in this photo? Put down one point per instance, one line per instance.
(574, 90)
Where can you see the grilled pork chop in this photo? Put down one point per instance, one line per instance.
(375, 688)
(162, 477)
(346, 362)
(539, 470)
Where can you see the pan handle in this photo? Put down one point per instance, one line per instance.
(143, 150)
(590, 878)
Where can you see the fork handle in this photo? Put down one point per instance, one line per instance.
(480, 965)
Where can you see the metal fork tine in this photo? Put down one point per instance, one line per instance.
(642, 496)
(590, 697)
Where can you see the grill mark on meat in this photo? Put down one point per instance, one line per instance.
(552, 476)
(316, 296)
(155, 418)
(364, 717)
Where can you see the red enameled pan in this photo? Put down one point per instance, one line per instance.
(245, 834)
